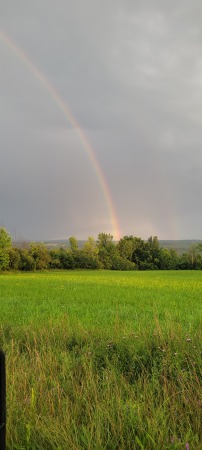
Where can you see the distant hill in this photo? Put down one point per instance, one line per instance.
(180, 246)
(64, 243)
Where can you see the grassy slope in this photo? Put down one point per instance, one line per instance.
(102, 360)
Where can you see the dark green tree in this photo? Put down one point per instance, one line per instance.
(90, 253)
(55, 262)
(153, 253)
(107, 250)
(90, 247)
(14, 258)
(168, 259)
(104, 240)
(140, 254)
(66, 258)
(5, 246)
(27, 262)
(83, 260)
(73, 243)
(40, 254)
(120, 263)
(126, 247)
(195, 256)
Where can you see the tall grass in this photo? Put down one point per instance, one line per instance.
(102, 360)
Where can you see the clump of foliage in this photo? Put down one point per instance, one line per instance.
(5, 246)
(130, 253)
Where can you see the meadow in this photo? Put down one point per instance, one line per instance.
(102, 360)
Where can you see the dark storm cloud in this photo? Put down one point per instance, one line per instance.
(131, 73)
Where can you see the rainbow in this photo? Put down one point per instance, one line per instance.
(62, 105)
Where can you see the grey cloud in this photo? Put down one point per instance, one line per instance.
(130, 72)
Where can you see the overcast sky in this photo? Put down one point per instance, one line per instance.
(130, 72)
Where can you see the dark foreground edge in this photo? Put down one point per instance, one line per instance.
(2, 401)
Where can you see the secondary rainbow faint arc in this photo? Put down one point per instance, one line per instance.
(38, 74)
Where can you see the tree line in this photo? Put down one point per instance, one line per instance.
(130, 253)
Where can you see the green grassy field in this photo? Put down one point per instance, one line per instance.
(102, 360)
